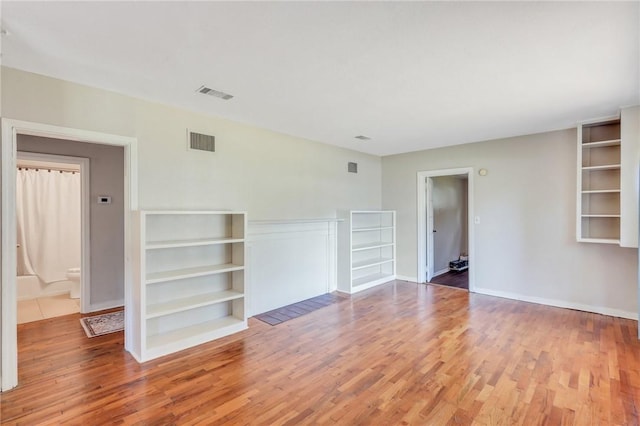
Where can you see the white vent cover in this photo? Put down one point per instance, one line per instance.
(215, 93)
(201, 141)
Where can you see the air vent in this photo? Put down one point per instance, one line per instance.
(352, 167)
(363, 137)
(215, 93)
(202, 142)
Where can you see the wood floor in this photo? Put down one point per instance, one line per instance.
(453, 279)
(401, 353)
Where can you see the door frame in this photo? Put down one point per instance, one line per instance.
(8, 310)
(85, 217)
(422, 218)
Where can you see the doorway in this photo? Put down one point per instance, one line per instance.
(428, 264)
(450, 254)
(52, 218)
(11, 129)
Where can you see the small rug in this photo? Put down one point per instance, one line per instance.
(103, 324)
(296, 310)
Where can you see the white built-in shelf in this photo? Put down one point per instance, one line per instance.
(370, 262)
(602, 191)
(224, 326)
(600, 215)
(190, 272)
(600, 144)
(191, 243)
(369, 246)
(366, 249)
(191, 302)
(604, 167)
(600, 240)
(199, 271)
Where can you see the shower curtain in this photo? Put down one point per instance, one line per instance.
(48, 223)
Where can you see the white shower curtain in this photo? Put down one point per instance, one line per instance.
(48, 219)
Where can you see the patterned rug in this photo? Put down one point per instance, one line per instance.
(296, 310)
(103, 324)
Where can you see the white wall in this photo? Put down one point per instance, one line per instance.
(525, 243)
(268, 174)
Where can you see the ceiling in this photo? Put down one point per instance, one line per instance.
(409, 75)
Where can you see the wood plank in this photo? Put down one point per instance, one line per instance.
(401, 352)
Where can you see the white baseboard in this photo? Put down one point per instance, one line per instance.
(440, 272)
(94, 307)
(558, 303)
(406, 278)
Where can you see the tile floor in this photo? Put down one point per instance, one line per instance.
(46, 307)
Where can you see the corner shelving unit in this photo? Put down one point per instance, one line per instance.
(190, 280)
(366, 249)
(599, 166)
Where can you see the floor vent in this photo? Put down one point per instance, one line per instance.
(202, 142)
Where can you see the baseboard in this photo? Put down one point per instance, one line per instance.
(558, 303)
(48, 294)
(440, 272)
(95, 307)
(406, 278)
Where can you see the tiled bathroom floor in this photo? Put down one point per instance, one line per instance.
(46, 307)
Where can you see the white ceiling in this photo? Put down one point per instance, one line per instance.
(410, 75)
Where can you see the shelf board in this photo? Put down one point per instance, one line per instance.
(604, 167)
(370, 262)
(371, 278)
(192, 302)
(191, 243)
(599, 240)
(601, 191)
(158, 277)
(175, 337)
(601, 215)
(375, 228)
(598, 144)
(368, 246)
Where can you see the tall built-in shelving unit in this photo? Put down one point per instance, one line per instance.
(366, 249)
(190, 289)
(599, 167)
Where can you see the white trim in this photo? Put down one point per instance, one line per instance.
(85, 217)
(558, 303)
(422, 218)
(440, 272)
(10, 131)
(406, 278)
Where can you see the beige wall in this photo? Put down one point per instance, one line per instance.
(268, 174)
(271, 175)
(106, 174)
(525, 243)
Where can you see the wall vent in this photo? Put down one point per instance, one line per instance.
(352, 167)
(363, 137)
(215, 93)
(201, 141)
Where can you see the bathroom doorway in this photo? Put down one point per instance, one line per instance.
(52, 229)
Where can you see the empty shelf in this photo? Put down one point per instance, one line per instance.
(373, 278)
(192, 302)
(218, 326)
(370, 262)
(191, 243)
(157, 277)
(368, 246)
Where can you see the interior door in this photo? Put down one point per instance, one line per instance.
(430, 230)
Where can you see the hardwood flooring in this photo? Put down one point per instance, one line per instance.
(453, 279)
(401, 353)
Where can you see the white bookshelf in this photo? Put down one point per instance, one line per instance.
(366, 249)
(190, 272)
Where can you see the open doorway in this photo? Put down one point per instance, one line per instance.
(52, 221)
(454, 194)
(450, 225)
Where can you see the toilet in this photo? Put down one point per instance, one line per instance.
(73, 275)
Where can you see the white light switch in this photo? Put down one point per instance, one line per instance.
(477, 220)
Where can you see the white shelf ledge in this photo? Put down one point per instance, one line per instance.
(599, 144)
(194, 334)
(370, 262)
(599, 240)
(369, 246)
(368, 229)
(601, 215)
(191, 243)
(601, 191)
(200, 271)
(373, 279)
(603, 167)
(187, 303)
